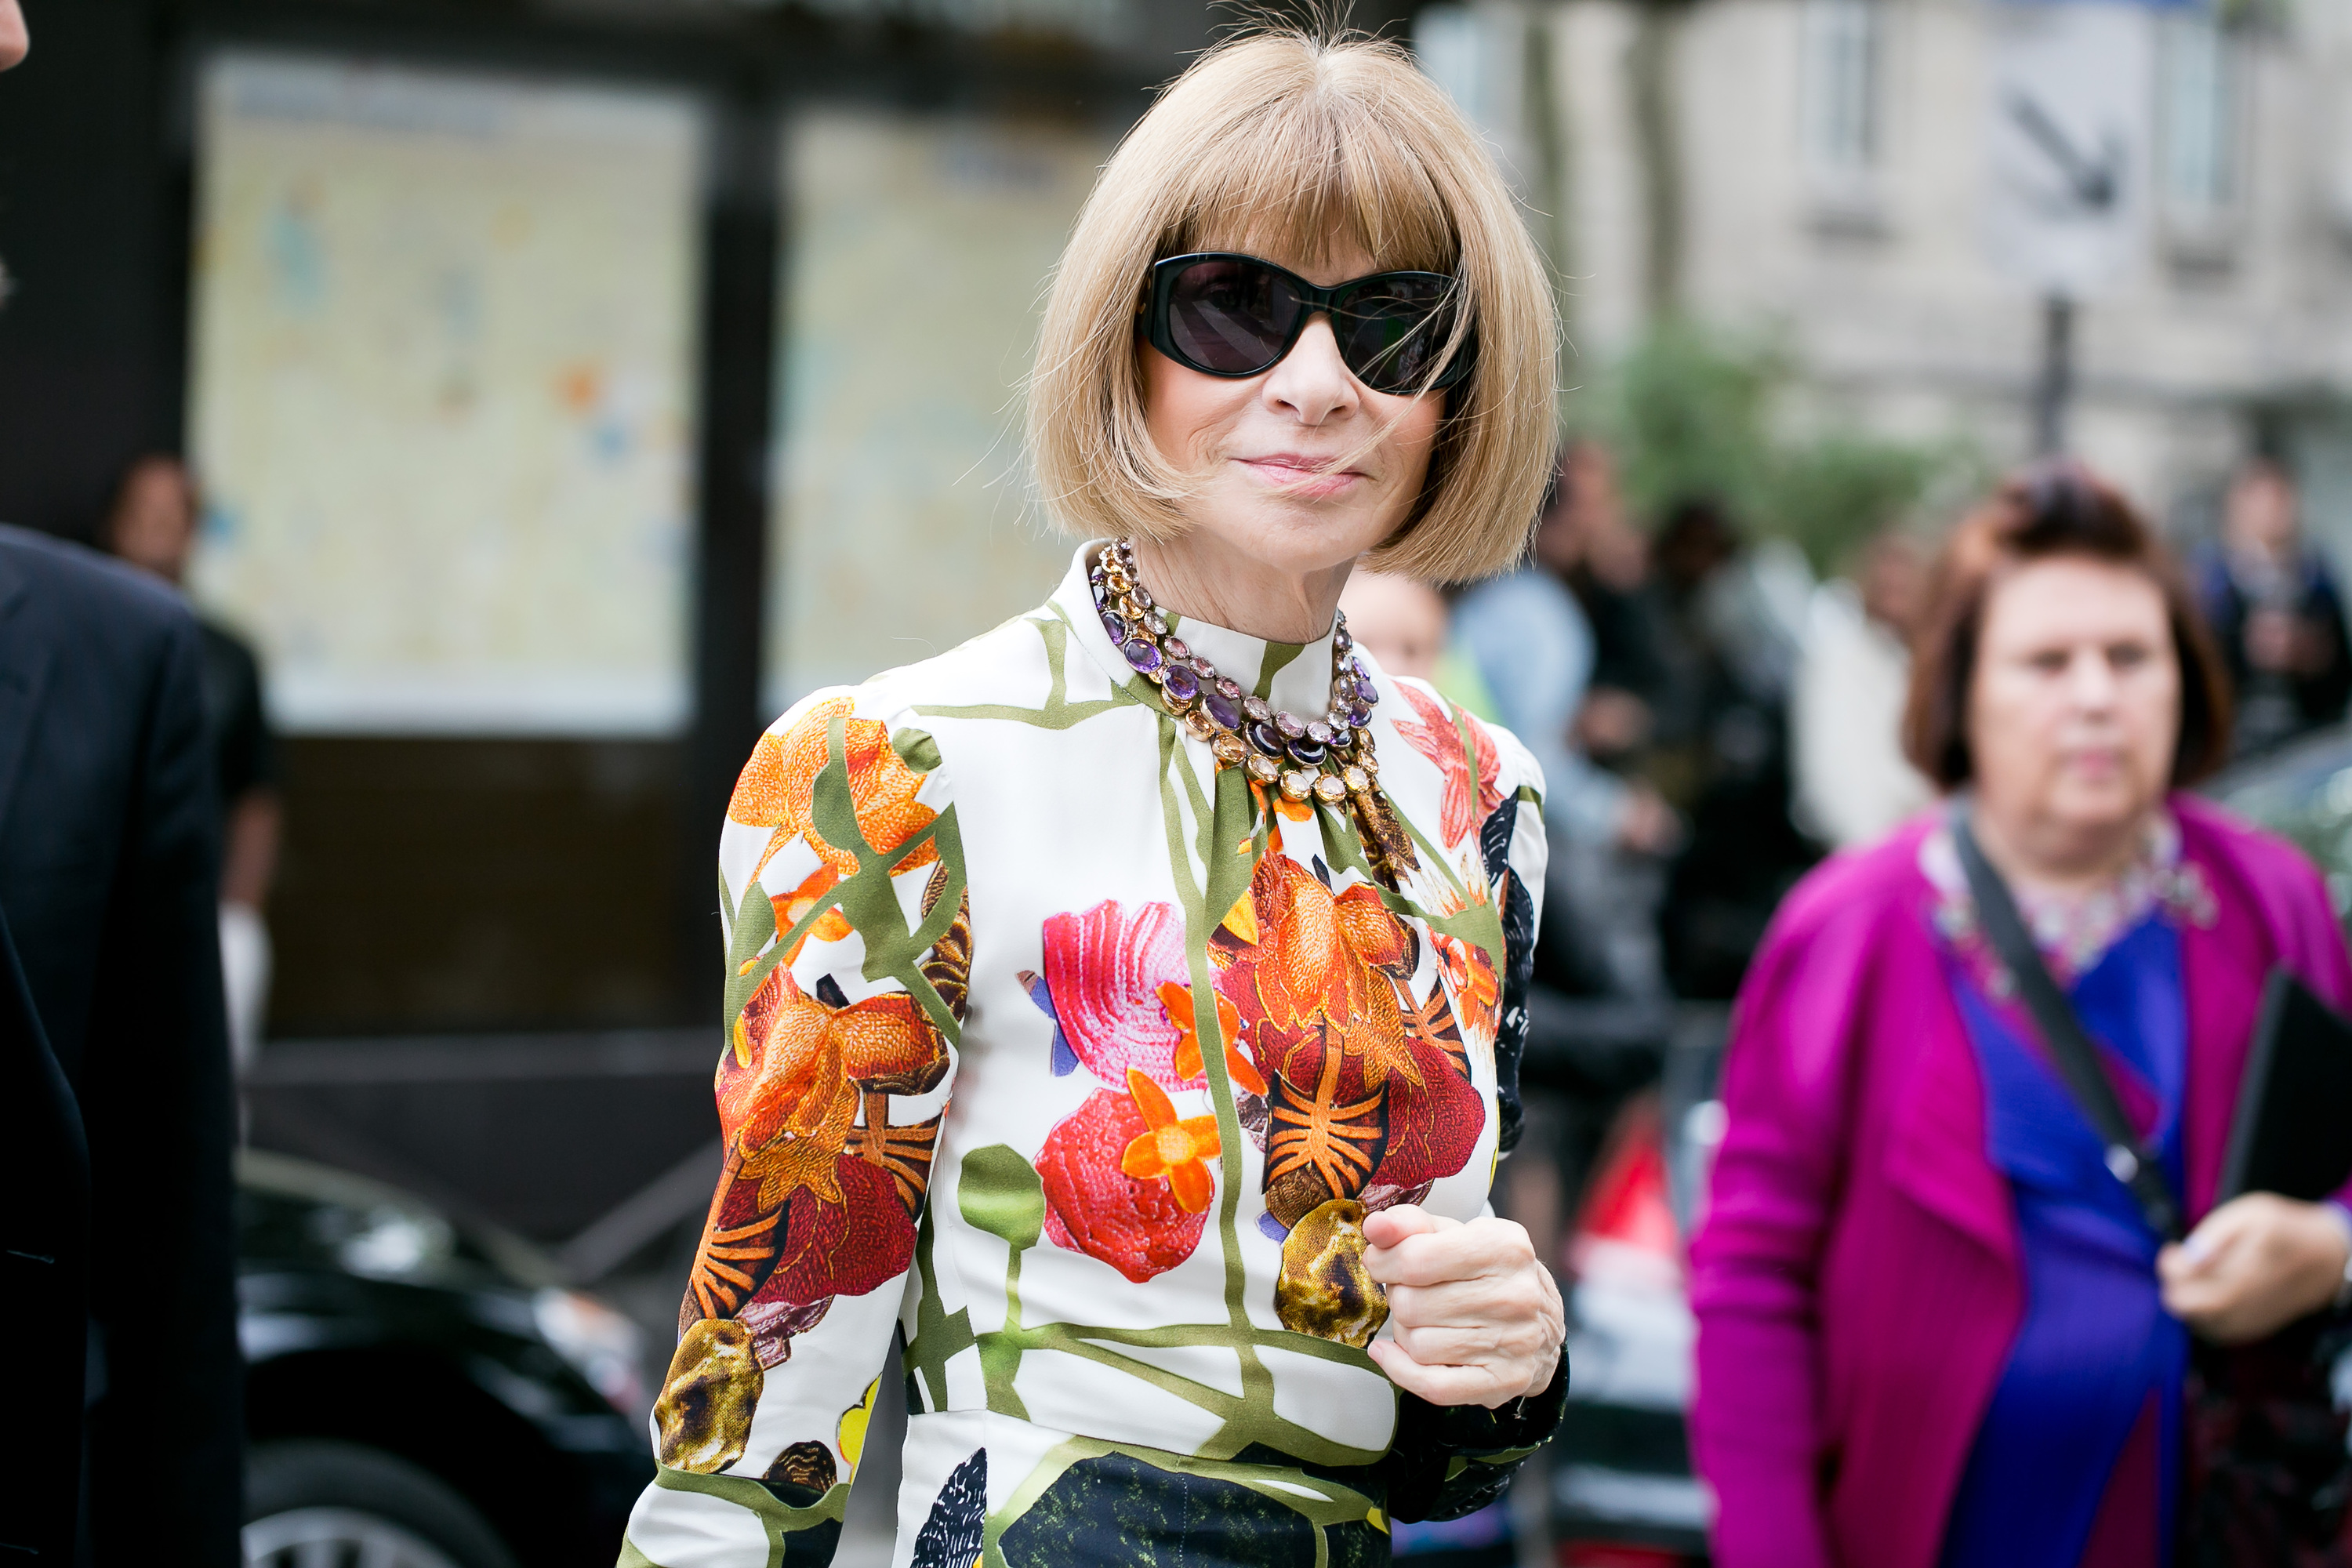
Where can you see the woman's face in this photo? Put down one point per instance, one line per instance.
(2076, 704)
(1303, 468)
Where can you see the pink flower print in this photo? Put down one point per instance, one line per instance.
(1103, 970)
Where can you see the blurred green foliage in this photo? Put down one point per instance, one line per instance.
(1699, 411)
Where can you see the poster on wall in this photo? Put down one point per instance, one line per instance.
(911, 290)
(442, 393)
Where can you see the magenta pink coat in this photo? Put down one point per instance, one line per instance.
(1856, 1276)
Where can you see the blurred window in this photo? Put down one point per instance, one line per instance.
(911, 288)
(1844, 46)
(443, 393)
(2196, 114)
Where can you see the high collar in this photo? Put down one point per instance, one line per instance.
(1292, 676)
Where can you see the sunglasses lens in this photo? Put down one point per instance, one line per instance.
(1230, 315)
(1392, 331)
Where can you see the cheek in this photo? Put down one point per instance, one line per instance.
(1185, 411)
(2154, 709)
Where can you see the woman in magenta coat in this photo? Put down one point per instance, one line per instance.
(1934, 1330)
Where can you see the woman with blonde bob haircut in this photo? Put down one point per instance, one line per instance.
(1127, 1006)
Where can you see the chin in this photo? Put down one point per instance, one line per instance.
(1299, 534)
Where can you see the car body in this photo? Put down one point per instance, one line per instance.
(1623, 1494)
(419, 1396)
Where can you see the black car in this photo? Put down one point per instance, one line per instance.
(419, 1397)
(1623, 1493)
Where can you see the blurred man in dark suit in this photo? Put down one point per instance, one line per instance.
(120, 1420)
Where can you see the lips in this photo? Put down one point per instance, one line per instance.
(1301, 476)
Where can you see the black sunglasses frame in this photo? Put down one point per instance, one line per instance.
(1313, 301)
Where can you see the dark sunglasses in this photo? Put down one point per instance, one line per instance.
(1227, 314)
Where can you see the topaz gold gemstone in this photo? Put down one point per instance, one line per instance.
(1229, 747)
(1263, 768)
(1356, 781)
(1297, 783)
(1201, 728)
(1330, 790)
(1368, 763)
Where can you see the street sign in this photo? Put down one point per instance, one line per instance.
(2067, 143)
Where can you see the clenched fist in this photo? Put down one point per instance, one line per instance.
(1474, 1319)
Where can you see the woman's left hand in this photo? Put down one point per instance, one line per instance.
(2255, 1265)
(1475, 1318)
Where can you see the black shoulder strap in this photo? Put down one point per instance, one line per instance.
(2133, 1163)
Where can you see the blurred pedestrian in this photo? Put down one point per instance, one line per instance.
(153, 526)
(1254, 916)
(123, 1393)
(1937, 1330)
(1732, 623)
(2276, 611)
(1533, 646)
(1853, 783)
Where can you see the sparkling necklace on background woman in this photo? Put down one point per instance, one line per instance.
(1329, 760)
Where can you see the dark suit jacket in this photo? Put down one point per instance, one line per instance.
(116, 1109)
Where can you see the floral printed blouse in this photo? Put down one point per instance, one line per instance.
(1078, 1061)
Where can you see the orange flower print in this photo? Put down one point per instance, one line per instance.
(1471, 981)
(779, 781)
(1465, 803)
(793, 907)
(1179, 1151)
(1178, 999)
(1326, 960)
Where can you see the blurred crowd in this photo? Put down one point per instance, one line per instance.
(1713, 722)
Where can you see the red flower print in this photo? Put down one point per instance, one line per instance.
(1094, 1206)
(1107, 971)
(1436, 737)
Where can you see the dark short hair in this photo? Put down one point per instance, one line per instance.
(2048, 510)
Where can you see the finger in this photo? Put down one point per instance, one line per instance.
(1463, 1252)
(1500, 1301)
(1391, 1226)
(1439, 1384)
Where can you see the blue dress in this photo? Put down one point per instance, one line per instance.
(2096, 1353)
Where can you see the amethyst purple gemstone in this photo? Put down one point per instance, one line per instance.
(1142, 652)
(1176, 648)
(1365, 690)
(1181, 684)
(1219, 708)
(1114, 625)
(1362, 716)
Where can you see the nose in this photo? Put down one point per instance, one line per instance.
(1313, 384)
(2093, 680)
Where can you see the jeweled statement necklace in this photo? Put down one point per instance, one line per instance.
(1330, 759)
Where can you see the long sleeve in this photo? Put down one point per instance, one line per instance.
(1755, 1424)
(160, 1114)
(1448, 1461)
(849, 957)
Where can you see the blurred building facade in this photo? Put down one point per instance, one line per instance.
(1822, 166)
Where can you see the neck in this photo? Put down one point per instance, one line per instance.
(1202, 578)
(2062, 858)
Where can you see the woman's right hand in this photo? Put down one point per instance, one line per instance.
(2255, 1265)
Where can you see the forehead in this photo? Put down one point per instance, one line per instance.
(2072, 598)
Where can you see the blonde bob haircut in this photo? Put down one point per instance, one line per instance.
(1288, 145)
